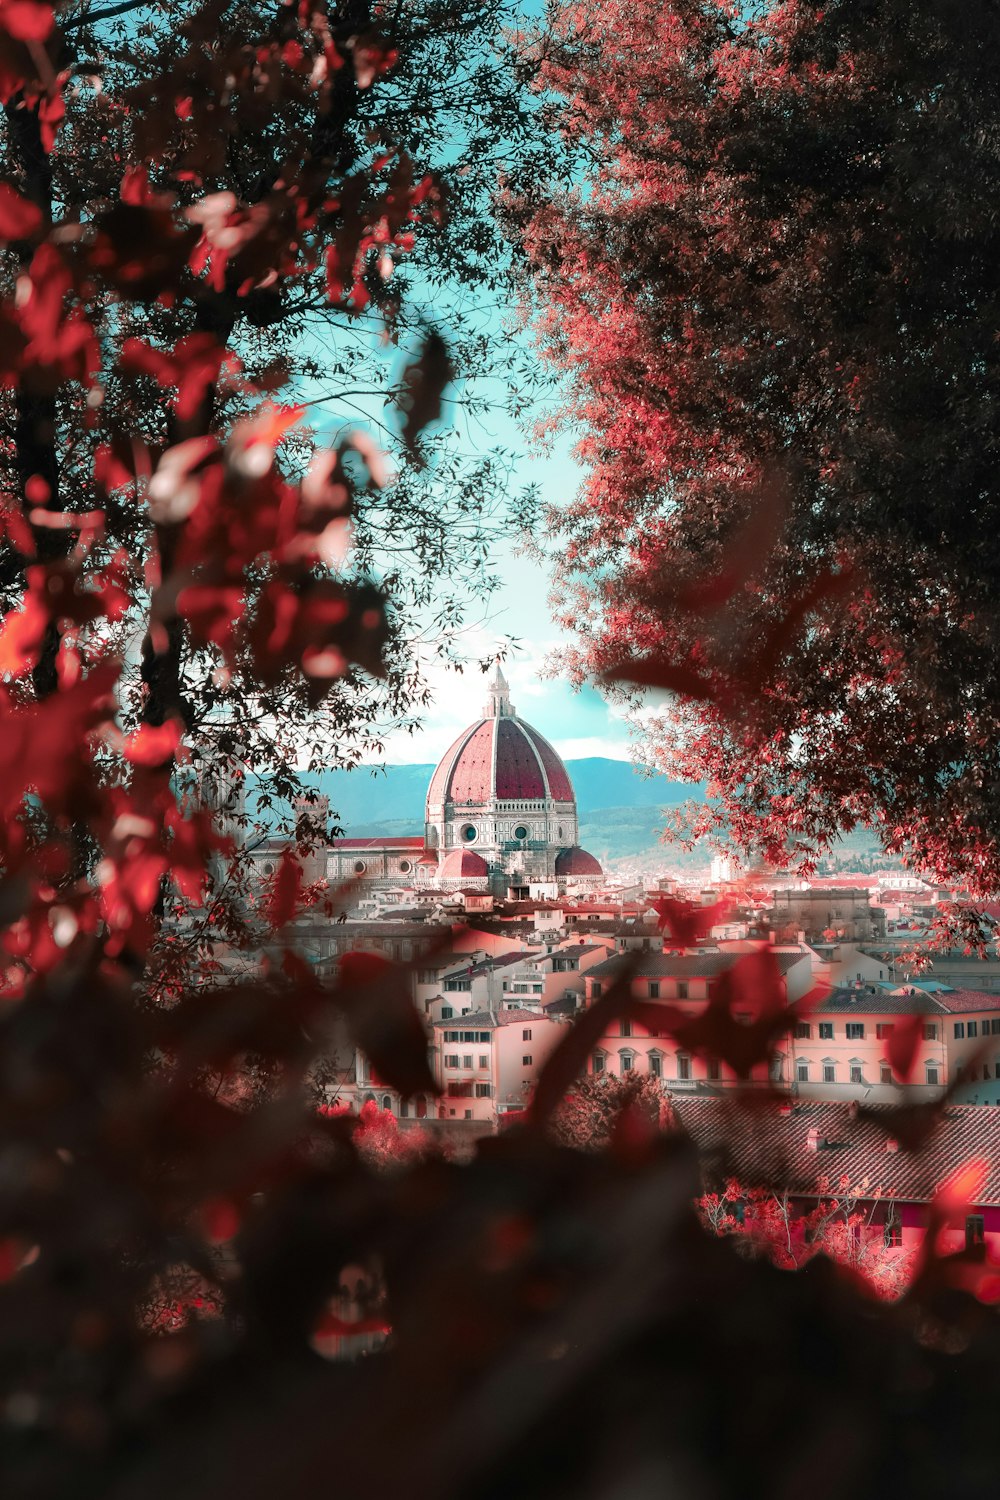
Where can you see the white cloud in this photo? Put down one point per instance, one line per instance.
(590, 745)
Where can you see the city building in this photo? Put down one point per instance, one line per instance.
(683, 979)
(486, 1065)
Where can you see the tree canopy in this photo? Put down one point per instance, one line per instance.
(772, 293)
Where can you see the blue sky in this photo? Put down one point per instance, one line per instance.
(577, 723)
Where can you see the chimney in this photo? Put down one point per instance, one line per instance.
(784, 1109)
(812, 1139)
(891, 1144)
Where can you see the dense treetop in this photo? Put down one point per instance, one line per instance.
(773, 294)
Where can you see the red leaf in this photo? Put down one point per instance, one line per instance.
(425, 382)
(21, 636)
(154, 744)
(19, 218)
(902, 1044)
(688, 922)
(374, 995)
(27, 20)
(569, 1059)
(285, 890)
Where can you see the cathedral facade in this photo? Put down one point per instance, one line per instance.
(500, 816)
(500, 805)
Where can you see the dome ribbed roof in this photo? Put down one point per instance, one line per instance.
(463, 864)
(577, 861)
(501, 758)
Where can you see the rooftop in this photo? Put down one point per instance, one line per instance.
(686, 965)
(489, 1020)
(868, 1001)
(385, 841)
(486, 965)
(730, 1140)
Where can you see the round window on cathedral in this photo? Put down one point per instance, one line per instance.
(405, 866)
(520, 832)
(268, 869)
(359, 867)
(468, 833)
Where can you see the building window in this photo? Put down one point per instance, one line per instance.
(451, 1061)
(884, 1029)
(802, 1071)
(972, 1029)
(884, 1073)
(975, 1230)
(856, 1073)
(404, 1109)
(892, 1232)
(482, 1090)
(447, 1013)
(682, 989)
(359, 867)
(855, 1031)
(520, 832)
(627, 1062)
(625, 1028)
(994, 1026)
(829, 1073)
(386, 1102)
(959, 1031)
(683, 1065)
(826, 1031)
(996, 1070)
(526, 1034)
(484, 1062)
(405, 866)
(526, 1061)
(932, 1074)
(930, 1032)
(654, 989)
(597, 989)
(597, 1062)
(802, 1030)
(714, 1070)
(466, 1061)
(655, 1065)
(468, 833)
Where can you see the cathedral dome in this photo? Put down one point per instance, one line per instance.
(577, 861)
(501, 792)
(499, 758)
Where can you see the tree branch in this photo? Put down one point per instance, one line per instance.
(92, 17)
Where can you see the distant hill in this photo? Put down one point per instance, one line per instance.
(393, 797)
(621, 810)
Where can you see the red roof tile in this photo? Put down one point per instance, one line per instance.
(560, 786)
(731, 1141)
(501, 758)
(960, 1001)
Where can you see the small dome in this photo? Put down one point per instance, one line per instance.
(576, 861)
(464, 864)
